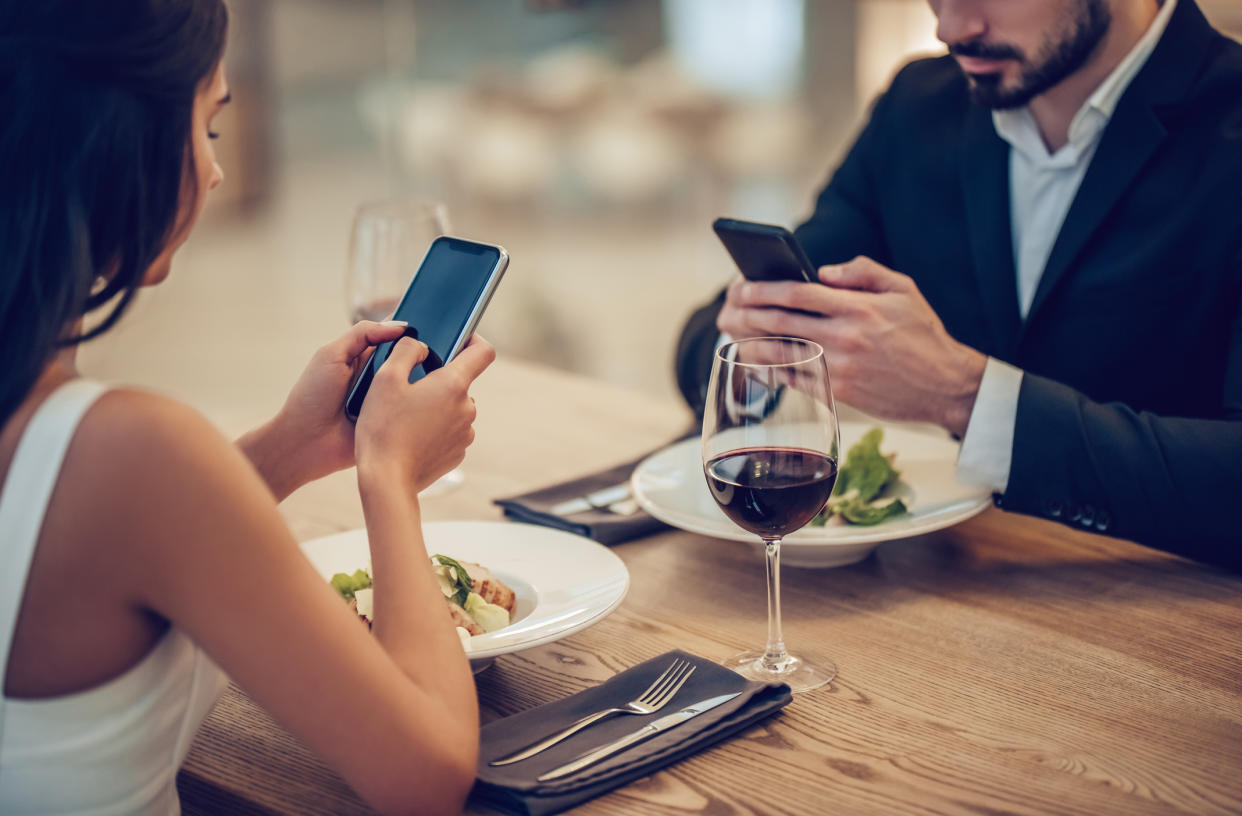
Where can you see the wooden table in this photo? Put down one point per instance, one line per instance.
(1007, 665)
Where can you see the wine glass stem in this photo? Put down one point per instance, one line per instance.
(775, 655)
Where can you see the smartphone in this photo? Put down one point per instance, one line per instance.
(765, 252)
(442, 306)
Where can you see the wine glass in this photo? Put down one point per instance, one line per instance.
(388, 242)
(770, 448)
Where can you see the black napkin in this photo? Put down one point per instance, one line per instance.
(514, 789)
(602, 525)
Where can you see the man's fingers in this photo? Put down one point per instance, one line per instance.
(782, 294)
(362, 336)
(798, 297)
(864, 274)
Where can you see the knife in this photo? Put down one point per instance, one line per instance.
(646, 732)
(602, 499)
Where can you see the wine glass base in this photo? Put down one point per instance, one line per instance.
(796, 672)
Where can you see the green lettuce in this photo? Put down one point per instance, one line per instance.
(857, 512)
(866, 472)
(460, 582)
(490, 616)
(347, 584)
(859, 493)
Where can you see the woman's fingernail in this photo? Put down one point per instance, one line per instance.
(392, 324)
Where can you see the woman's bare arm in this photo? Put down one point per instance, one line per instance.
(207, 549)
(204, 546)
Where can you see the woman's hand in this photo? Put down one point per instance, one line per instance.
(310, 437)
(409, 435)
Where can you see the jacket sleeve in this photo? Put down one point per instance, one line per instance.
(695, 349)
(1167, 482)
(846, 220)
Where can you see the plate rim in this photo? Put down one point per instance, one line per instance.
(544, 637)
(943, 518)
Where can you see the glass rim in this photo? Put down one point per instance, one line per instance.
(399, 207)
(816, 348)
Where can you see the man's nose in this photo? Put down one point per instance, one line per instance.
(958, 21)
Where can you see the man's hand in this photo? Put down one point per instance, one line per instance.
(310, 436)
(888, 353)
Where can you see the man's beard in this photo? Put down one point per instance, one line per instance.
(1060, 58)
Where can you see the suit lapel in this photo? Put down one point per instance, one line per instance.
(985, 187)
(1132, 136)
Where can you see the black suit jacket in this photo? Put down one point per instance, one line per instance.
(1130, 415)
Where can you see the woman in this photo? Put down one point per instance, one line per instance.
(138, 549)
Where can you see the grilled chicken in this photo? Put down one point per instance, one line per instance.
(491, 588)
(460, 618)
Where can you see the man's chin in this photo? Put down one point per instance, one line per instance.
(989, 91)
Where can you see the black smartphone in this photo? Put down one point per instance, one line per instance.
(765, 252)
(442, 306)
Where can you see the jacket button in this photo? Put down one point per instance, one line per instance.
(1073, 512)
(1103, 520)
(1088, 515)
(1053, 508)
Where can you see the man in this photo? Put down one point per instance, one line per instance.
(1045, 229)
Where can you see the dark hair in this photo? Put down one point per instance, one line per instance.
(98, 101)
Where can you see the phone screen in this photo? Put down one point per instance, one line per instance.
(440, 306)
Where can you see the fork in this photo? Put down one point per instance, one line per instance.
(650, 701)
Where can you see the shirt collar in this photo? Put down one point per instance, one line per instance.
(1109, 93)
(1017, 126)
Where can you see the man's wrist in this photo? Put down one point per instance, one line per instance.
(961, 401)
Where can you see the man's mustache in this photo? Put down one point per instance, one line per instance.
(982, 50)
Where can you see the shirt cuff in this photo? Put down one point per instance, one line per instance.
(987, 449)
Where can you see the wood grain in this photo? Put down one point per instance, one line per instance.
(1007, 665)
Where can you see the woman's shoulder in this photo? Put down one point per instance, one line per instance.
(110, 431)
(134, 428)
(150, 454)
(146, 483)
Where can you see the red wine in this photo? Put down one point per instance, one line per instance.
(771, 491)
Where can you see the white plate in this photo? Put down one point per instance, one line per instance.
(669, 485)
(564, 583)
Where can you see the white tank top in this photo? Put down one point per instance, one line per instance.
(115, 748)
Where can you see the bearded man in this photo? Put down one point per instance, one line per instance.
(1036, 243)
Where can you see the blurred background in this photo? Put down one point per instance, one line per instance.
(596, 140)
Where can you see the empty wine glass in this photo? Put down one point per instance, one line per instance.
(770, 449)
(388, 242)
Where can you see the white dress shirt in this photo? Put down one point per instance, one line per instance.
(1042, 186)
